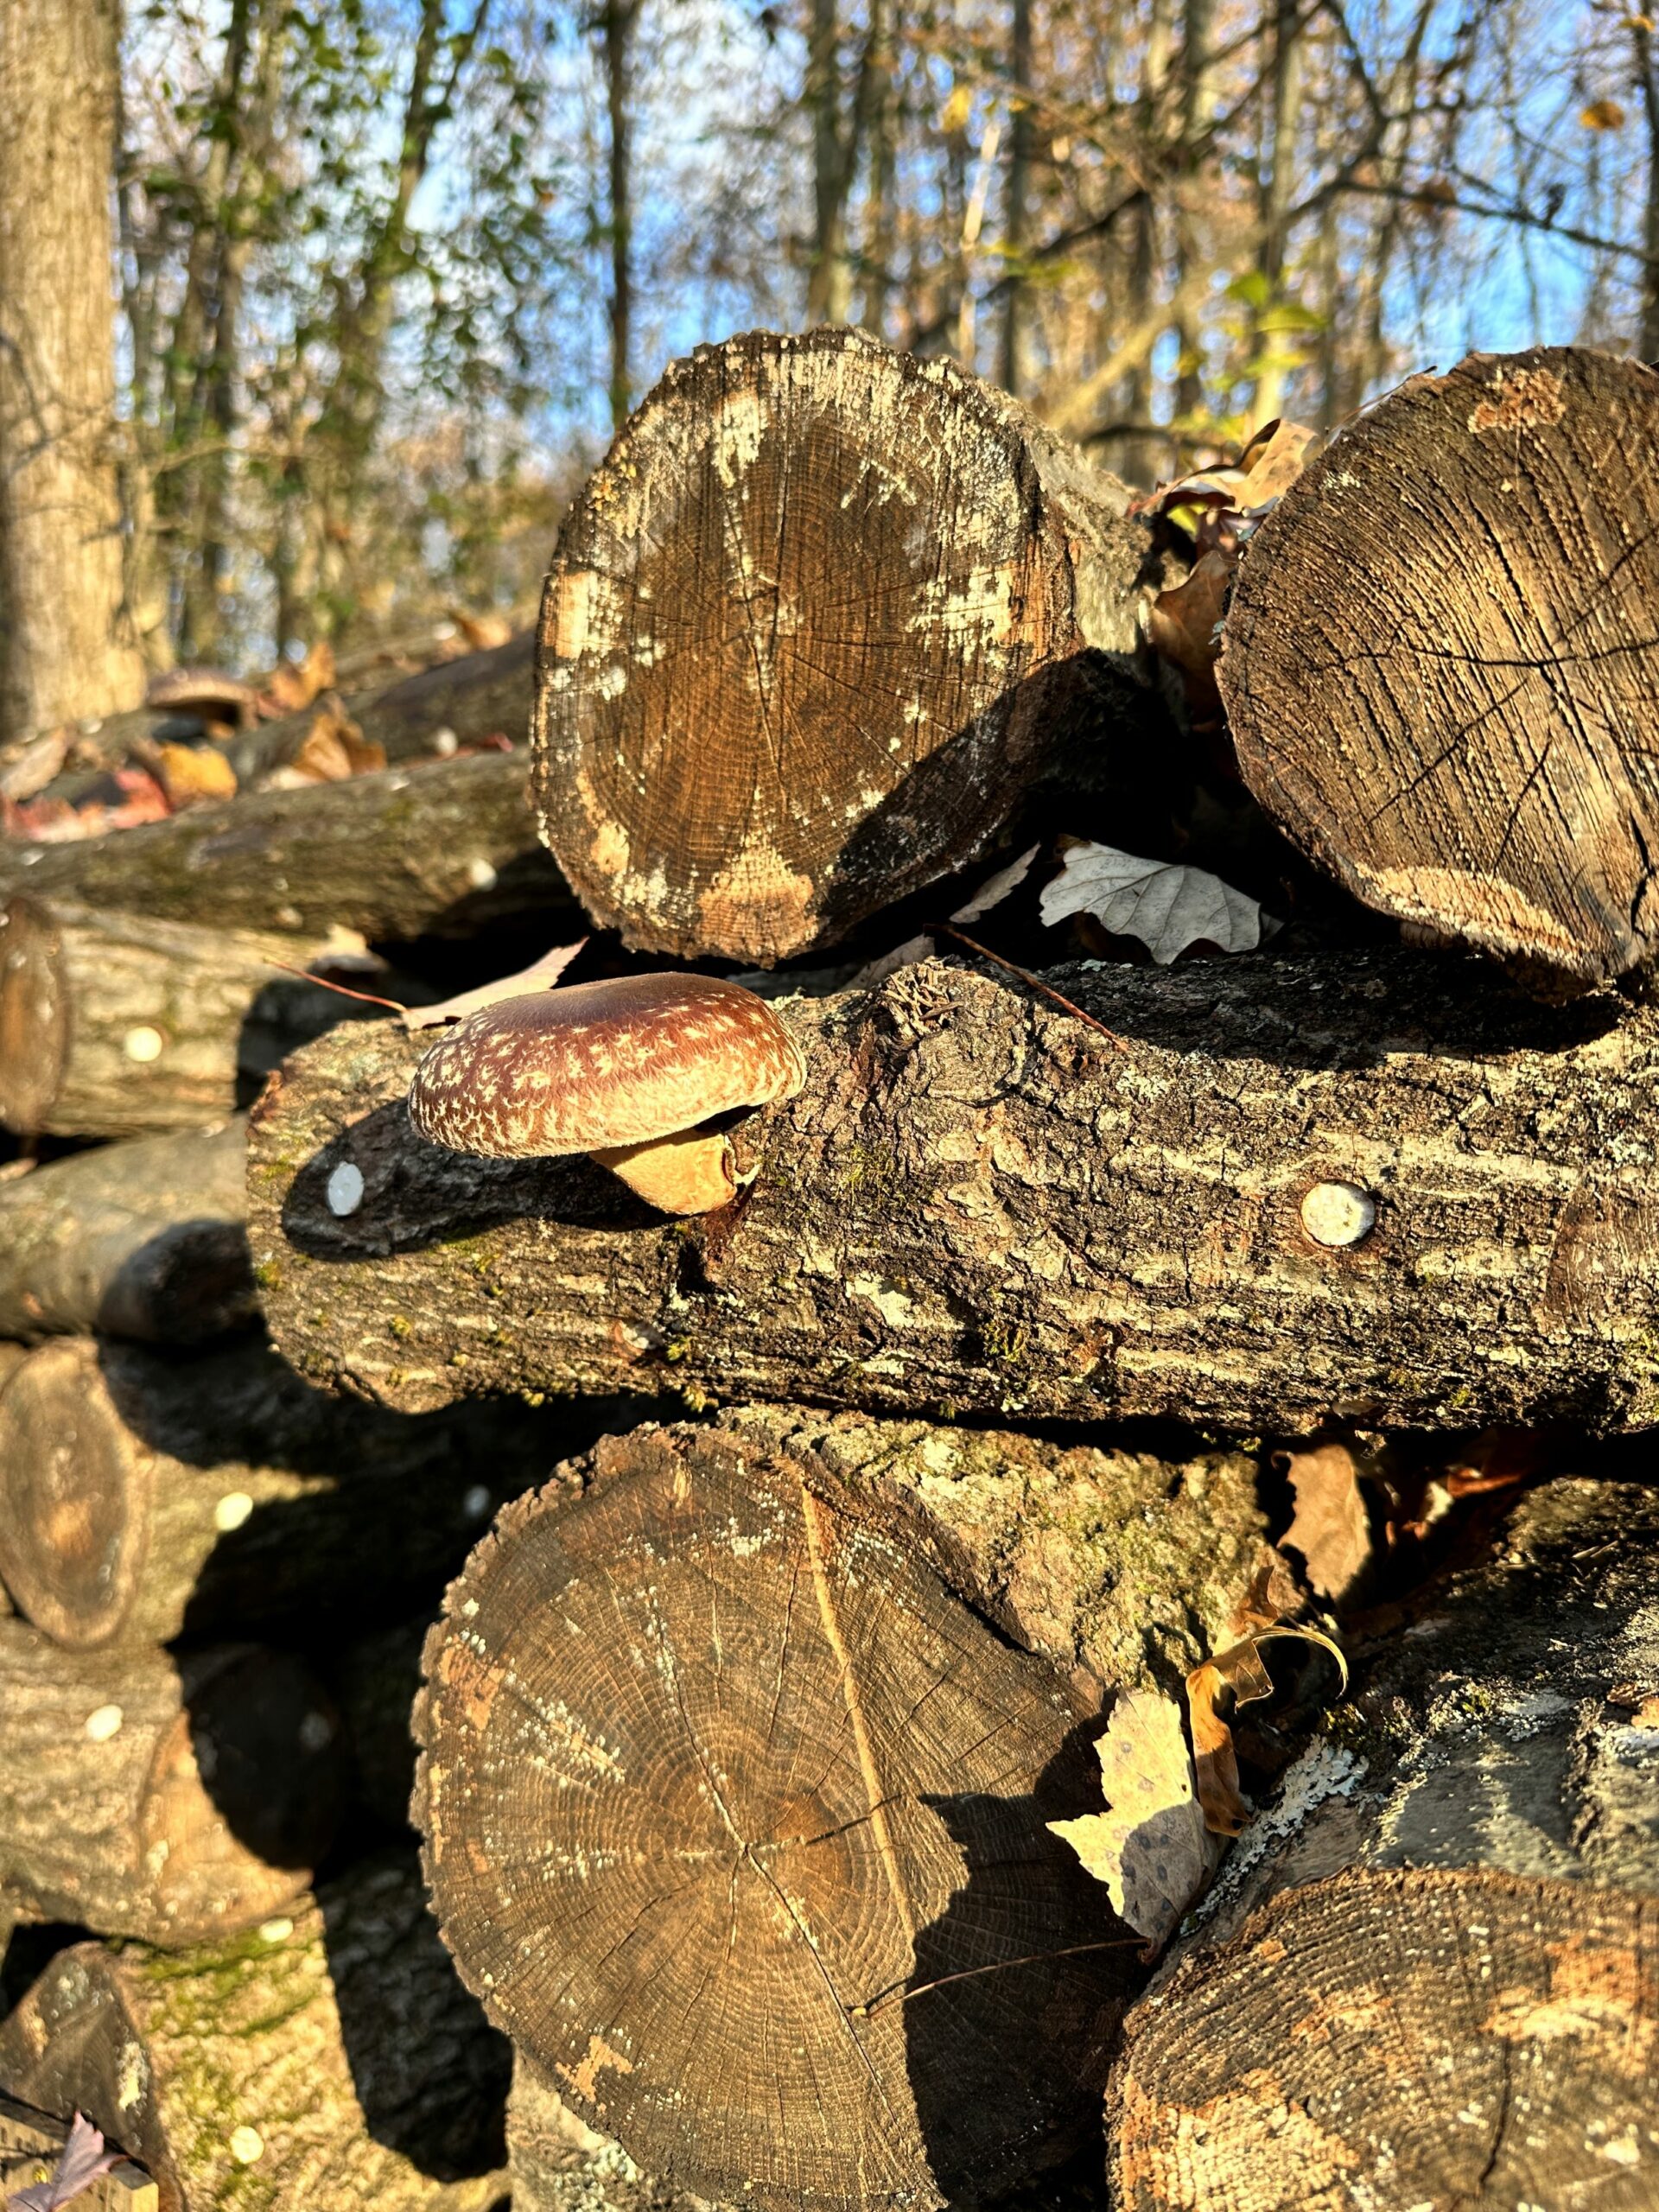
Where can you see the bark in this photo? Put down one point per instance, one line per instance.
(1460, 1874)
(440, 851)
(142, 1497)
(618, 23)
(1013, 371)
(774, 1780)
(1438, 650)
(978, 1202)
(818, 624)
(168, 1800)
(118, 1025)
(31, 2143)
(328, 2061)
(558, 2163)
(60, 582)
(145, 1240)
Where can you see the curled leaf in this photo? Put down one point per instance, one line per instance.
(1331, 1526)
(1150, 1846)
(1240, 1671)
(996, 888)
(541, 975)
(82, 2161)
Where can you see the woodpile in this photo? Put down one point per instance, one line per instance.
(1073, 1623)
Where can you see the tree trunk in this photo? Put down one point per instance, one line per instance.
(439, 851)
(31, 2143)
(118, 1025)
(818, 623)
(61, 652)
(977, 1202)
(329, 2062)
(168, 1800)
(1440, 649)
(774, 1780)
(145, 1240)
(619, 21)
(142, 1496)
(1459, 1876)
(1013, 366)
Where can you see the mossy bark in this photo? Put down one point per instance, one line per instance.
(165, 1799)
(558, 2163)
(328, 2060)
(978, 1203)
(144, 1240)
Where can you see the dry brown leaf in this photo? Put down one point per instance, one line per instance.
(1240, 1671)
(540, 976)
(1330, 1526)
(334, 748)
(906, 954)
(191, 774)
(1150, 1846)
(996, 888)
(1274, 460)
(482, 632)
(1165, 904)
(1272, 1597)
(1182, 627)
(291, 686)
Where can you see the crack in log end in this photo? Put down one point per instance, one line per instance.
(794, 1796)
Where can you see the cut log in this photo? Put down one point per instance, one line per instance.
(979, 1203)
(31, 2143)
(328, 2061)
(145, 1240)
(734, 1812)
(168, 1800)
(142, 1497)
(558, 2163)
(118, 1025)
(1447, 1918)
(819, 621)
(437, 850)
(1440, 653)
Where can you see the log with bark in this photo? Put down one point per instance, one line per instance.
(979, 1202)
(821, 620)
(145, 1240)
(438, 850)
(735, 1806)
(115, 1024)
(171, 1800)
(142, 1495)
(1435, 1956)
(328, 2061)
(1440, 653)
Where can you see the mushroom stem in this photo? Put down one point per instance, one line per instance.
(690, 1173)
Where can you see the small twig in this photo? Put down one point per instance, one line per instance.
(946, 929)
(366, 998)
(998, 1966)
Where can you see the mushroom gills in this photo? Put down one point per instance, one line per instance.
(689, 1173)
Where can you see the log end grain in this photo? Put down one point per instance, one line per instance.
(1440, 659)
(785, 658)
(1431, 2037)
(33, 1014)
(715, 1777)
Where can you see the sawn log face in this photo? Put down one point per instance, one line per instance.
(980, 1204)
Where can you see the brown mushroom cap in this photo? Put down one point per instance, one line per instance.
(620, 1062)
(201, 690)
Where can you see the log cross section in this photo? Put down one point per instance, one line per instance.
(715, 1772)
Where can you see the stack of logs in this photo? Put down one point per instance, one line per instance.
(741, 1734)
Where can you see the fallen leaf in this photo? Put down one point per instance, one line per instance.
(996, 888)
(1272, 460)
(292, 685)
(1183, 625)
(1150, 1846)
(334, 748)
(1240, 1671)
(1272, 1597)
(902, 956)
(1166, 906)
(540, 976)
(191, 772)
(482, 632)
(1331, 1526)
(82, 2161)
